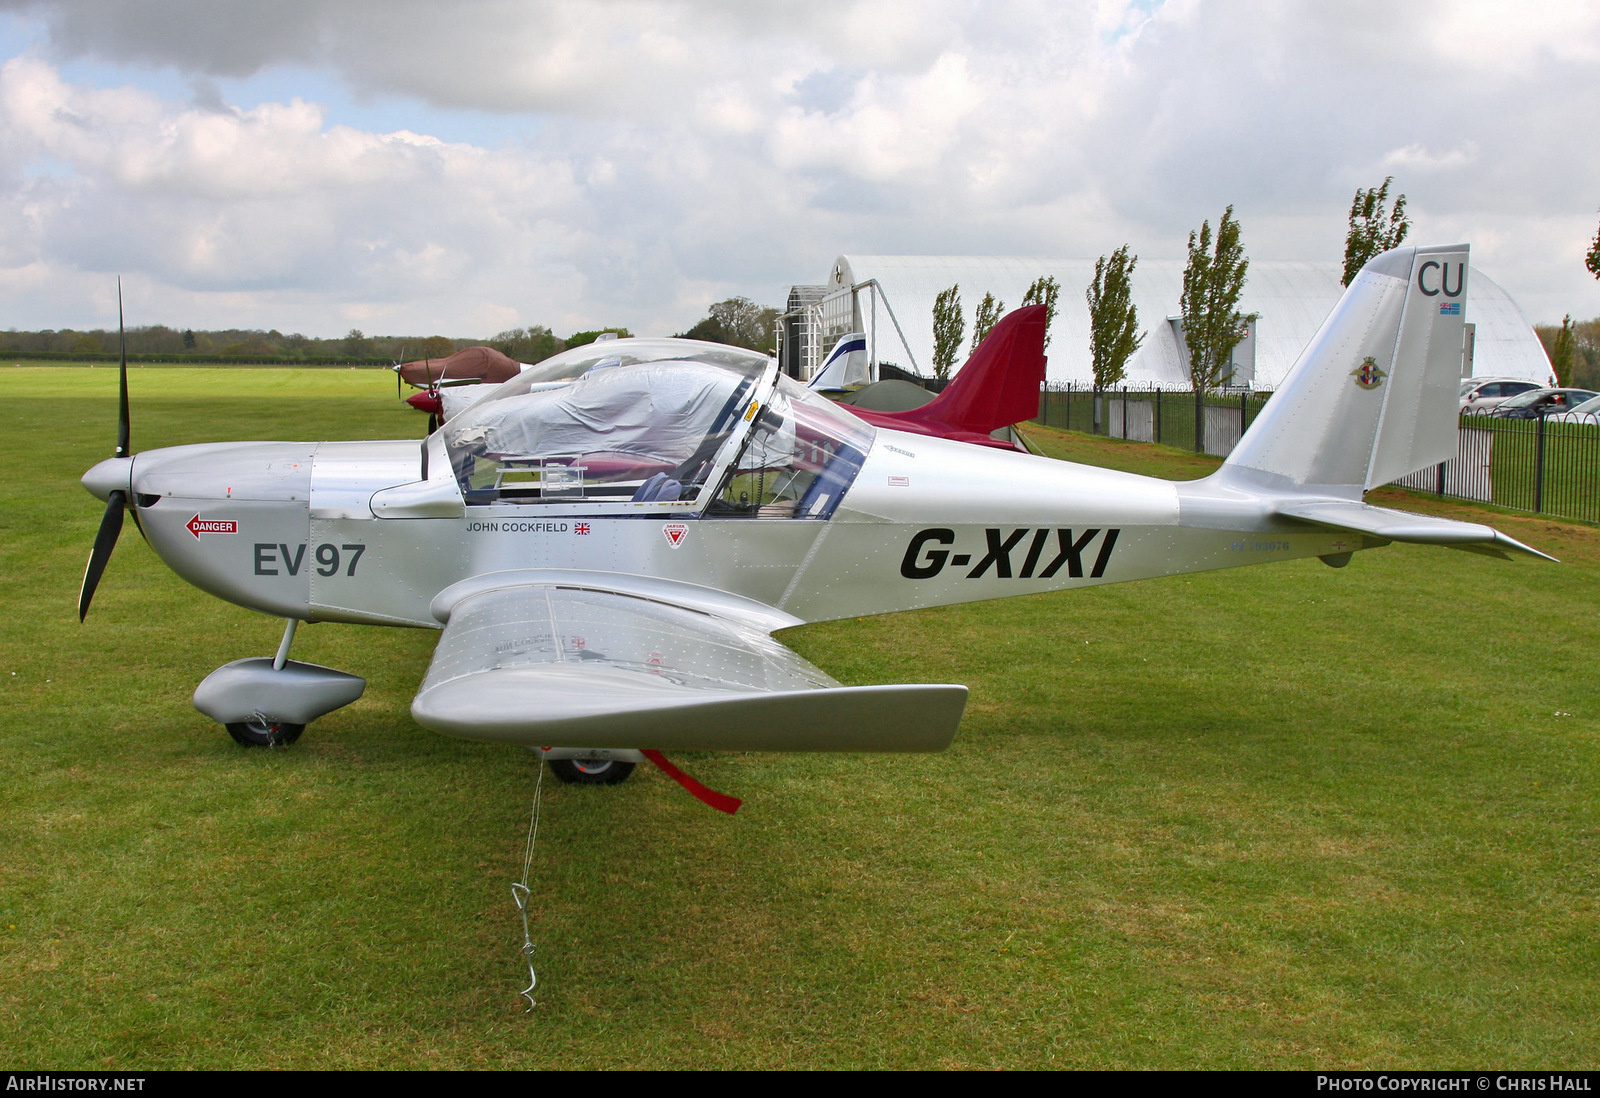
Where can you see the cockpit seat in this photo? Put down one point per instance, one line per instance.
(660, 488)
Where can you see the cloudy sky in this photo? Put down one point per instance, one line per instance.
(422, 166)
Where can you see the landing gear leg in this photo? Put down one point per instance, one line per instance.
(283, 646)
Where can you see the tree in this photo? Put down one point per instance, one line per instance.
(1561, 352)
(739, 322)
(1113, 318)
(1213, 282)
(1592, 260)
(252, 346)
(1372, 229)
(948, 327)
(532, 344)
(580, 339)
(1043, 292)
(434, 347)
(983, 321)
(1585, 339)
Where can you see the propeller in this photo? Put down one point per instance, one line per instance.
(427, 398)
(117, 499)
(399, 390)
(433, 391)
(104, 542)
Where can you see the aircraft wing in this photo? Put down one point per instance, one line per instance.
(552, 657)
(1363, 518)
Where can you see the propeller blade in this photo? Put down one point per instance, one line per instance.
(122, 402)
(433, 423)
(104, 542)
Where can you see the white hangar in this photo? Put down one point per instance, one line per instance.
(890, 299)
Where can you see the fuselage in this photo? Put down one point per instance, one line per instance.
(349, 531)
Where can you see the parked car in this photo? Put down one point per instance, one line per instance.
(1481, 395)
(1542, 402)
(1587, 412)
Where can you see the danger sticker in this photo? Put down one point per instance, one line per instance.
(198, 526)
(675, 532)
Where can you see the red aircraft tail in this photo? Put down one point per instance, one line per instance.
(998, 386)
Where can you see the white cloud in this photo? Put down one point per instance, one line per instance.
(889, 128)
(673, 153)
(1418, 159)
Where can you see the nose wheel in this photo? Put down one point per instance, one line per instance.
(236, 695)
(262, 733)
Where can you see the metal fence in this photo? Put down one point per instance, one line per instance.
(1548, 466)
(1154, 414)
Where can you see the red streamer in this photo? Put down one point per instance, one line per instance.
(720, 801)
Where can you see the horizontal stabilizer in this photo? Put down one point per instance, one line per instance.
(1363, 518)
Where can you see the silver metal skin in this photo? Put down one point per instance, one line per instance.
(594, 624)
(111, 475)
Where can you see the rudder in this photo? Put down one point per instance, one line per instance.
(999, 385)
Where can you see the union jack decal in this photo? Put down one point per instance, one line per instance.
(581, 528)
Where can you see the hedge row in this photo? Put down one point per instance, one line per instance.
(194, 360)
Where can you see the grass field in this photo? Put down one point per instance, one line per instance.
(1288, 816)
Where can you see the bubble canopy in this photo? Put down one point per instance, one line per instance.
(721, 433)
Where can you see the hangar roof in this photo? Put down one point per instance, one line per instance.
(1292, 298)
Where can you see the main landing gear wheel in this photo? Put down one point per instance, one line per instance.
(259, 733)
(589, 771)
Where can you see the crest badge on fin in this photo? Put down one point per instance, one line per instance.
(1367, 375)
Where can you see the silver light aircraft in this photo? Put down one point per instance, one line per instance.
(608, 559)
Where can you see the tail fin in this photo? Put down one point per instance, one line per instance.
(1371, 398)
(846, 365)
(1374, 394)
(999, 385)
